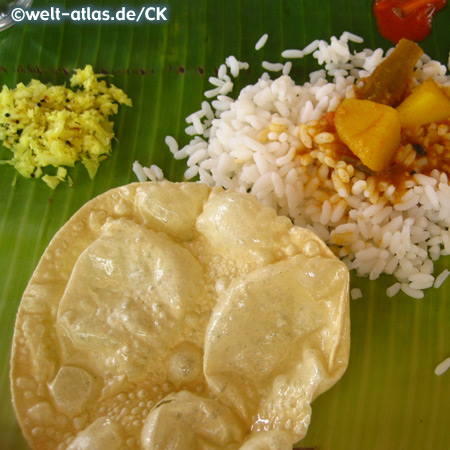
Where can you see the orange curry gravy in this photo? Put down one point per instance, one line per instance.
(422, 150)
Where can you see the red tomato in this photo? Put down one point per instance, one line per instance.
(410, 19)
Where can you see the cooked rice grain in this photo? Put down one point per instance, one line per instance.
(442, 367)
(261, 41)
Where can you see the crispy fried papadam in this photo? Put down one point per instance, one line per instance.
(176, 316)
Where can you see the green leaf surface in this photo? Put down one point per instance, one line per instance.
(389, 398)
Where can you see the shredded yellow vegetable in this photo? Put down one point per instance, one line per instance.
(49, 128)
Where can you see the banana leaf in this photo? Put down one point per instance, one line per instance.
(389, 398)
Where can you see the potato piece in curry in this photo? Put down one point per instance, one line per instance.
(385, 103)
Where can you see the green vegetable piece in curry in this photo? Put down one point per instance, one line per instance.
(389, 81)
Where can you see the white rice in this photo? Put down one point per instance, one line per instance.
(347, 36)
(261, 42)
(272, 67)
(172, 144)
(310, 48)
(442, 367)
(292, 54)
(139, 171)
(441, 278)
(393, 290)
(287, 68)
(152, 173)
(250, 144)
